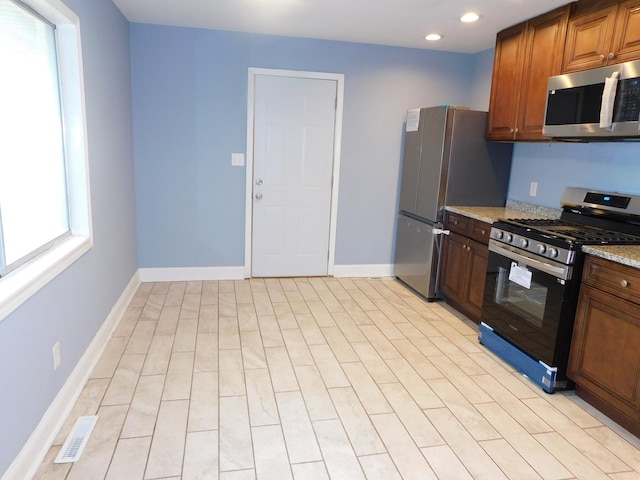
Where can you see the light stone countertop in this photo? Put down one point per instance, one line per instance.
(490, 214)
(624, 254)
(513, 209)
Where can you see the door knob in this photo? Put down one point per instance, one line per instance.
(258, 196)
(259, 181)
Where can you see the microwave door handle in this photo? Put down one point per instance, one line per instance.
(562, 271)
(608, 99)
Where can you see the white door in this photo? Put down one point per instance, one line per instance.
(293, 145)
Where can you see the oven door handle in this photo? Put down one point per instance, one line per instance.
(559, 271)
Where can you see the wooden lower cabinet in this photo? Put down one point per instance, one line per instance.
(464, 268)
(605, 350)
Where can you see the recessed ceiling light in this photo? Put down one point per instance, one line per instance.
(470, 17)
(432, 37)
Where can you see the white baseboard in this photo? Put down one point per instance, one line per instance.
(28, 460)
(381, 270)
(183, 274)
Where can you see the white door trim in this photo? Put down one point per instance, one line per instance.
(339, 79)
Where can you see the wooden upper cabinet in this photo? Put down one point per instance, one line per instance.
(505, 90)
(543, 59)
(526, 56)
(626, 36)
(602, 37)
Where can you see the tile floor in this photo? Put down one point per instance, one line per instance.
(322, 378)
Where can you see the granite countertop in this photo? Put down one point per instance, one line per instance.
(513, 209)
(490, 214)
(624, 254)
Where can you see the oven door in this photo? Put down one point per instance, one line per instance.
(524, 298)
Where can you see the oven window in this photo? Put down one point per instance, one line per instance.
(527, 303)
(524, 306)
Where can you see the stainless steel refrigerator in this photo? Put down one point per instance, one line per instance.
(446, 161)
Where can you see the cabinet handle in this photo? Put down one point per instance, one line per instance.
(511, 130)
(602, 58)
(484, 232)
(612, 56)
(624, 283)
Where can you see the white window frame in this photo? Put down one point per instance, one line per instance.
(23, 282)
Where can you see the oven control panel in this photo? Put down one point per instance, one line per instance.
(552, 252)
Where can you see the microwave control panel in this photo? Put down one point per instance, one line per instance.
(627, 108)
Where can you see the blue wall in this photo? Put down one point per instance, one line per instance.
(604, 166)
(190, 104)
(72, 307)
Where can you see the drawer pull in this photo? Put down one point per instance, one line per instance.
(484, 232)
(624, 283)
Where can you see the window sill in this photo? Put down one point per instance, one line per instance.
(18, 286)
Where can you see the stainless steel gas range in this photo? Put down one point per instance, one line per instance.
(533, 279)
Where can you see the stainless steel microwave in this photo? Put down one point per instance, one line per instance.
(585, 106)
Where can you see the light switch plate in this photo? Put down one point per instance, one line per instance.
(237, 159)
(533, 189)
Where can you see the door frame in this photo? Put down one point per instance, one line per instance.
(337, 144)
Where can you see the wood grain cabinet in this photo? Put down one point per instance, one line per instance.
(526, 55)
(464, 264)
(602, 36)
(605, 350)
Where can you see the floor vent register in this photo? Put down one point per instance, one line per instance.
(77, 440)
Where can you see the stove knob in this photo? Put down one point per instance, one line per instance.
(553, 253)
(499, 234)
(524, 243)
(541, 248)
(508, 238)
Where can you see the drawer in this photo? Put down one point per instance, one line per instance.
(620, 280)
(481, 231)
(459, 224)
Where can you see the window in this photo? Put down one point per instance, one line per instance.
(33, 187)
(44, 212)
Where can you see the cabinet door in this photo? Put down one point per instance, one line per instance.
(589, 39)
(543, 58)
(505, 84)
(454, 267)
(605, 358)
(626, 41)
(478, 257)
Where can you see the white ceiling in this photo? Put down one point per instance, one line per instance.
(401, 23)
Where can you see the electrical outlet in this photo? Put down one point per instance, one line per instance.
(533, 189)
(56, 355)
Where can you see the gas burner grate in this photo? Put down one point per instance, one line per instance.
(583, 234)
